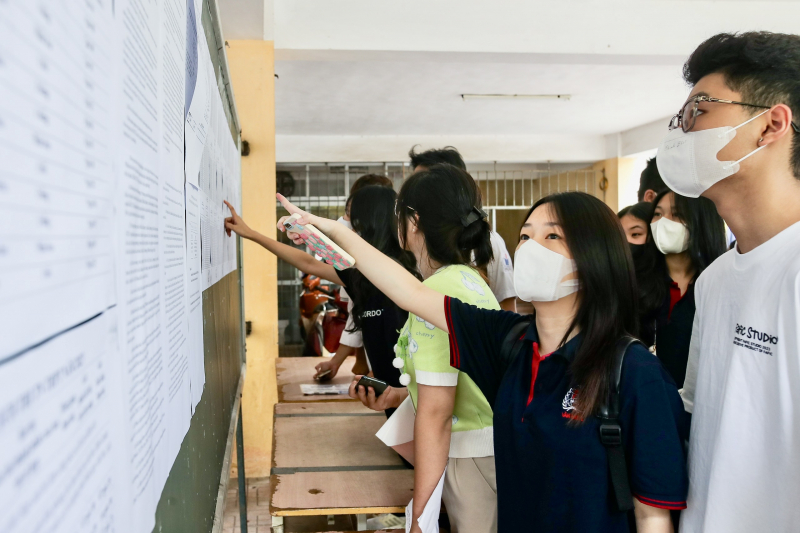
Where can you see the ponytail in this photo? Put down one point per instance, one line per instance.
(448, 204)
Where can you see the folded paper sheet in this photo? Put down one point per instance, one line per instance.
(398, 431)
(429, 519)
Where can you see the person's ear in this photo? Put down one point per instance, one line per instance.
(779, 123)
(414, 223)
(649, 196)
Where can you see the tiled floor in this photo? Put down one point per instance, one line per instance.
(258, 517)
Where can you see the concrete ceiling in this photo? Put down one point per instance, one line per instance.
(401, 97)
(361, 80)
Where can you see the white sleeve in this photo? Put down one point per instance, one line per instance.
(693, 364)
(501, 270)
(353, 340)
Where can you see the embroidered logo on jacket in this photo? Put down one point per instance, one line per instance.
(568, 403)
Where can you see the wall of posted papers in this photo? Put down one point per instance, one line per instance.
(117, 156)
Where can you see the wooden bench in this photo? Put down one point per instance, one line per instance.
(295, 371)
(326, 460)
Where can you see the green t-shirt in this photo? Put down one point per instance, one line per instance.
(425, 350)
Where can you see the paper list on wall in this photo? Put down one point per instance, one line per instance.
(56, 254)
(144, 383)
(194, 308)
(172, 225)
(219, 179)
(200, 75)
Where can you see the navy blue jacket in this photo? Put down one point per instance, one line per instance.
(553, 476)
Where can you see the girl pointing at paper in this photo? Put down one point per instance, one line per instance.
(440, 222)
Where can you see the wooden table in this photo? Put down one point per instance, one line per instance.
(294, 371)
(326, 460)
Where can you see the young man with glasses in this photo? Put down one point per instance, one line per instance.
(736, 141)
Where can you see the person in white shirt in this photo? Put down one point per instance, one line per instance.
(500, 270)
(736, 141)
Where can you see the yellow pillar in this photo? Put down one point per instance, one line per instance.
(252, 67)
(616, 171)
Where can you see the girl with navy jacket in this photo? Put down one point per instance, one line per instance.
(574, 265)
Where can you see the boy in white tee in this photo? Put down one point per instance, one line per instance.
(736, 141)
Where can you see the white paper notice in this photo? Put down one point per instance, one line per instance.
(144, 382)
(196, 352)
(56, 434)
(200, 73)
(429, 519)
(219, 179)
(56, 182)
(172, 225)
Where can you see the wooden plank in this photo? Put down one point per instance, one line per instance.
(319, 493)
(344, 440)
(294, 371)
(318, 408)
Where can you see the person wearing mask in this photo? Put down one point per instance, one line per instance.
(686, 236)
(440, 221)
(351, 341)
(650, 182)
(573, 264)
(635, 219)
(377, 318)
(500, 269)
(736, 141)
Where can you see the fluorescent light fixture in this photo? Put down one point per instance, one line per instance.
(516, 96)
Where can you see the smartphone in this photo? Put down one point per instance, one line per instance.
(378, 385)
(332, 253)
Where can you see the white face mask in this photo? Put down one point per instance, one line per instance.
(539, 271)
(688, 162)
(345, 223)
(670, 237)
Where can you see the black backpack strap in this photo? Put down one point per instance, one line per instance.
(512, 344)
(611, 432)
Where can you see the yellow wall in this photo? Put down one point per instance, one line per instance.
(252, 66)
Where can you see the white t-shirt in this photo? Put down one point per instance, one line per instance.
(500, 270)
(743, 387)
(352, 339)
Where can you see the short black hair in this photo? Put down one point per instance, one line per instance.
(763, 67)
(436, 156)
(643, 211)
(651, 179)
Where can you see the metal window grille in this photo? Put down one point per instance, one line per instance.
(323, 189)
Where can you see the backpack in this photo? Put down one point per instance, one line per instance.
(610, 430)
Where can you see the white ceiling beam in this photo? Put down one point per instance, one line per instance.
(572, 27)
(474, 148)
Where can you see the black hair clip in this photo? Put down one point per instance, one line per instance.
(476, 213)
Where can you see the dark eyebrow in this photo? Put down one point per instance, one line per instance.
(526, 225)
(552, 224)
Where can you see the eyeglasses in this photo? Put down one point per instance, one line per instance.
(687, 116)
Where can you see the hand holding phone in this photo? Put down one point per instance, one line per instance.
(378, 385)
(332, 253)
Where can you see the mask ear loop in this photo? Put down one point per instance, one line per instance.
(726, 167)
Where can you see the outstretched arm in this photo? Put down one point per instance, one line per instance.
(387, 275)
(297, 258)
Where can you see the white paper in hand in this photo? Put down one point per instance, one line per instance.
(429, 519)
(398, 431)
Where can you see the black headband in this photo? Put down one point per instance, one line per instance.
(475, 214)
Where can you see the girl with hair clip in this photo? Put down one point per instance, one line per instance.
(441, 222)
(685, 236)
(378, 318)
(553, 471)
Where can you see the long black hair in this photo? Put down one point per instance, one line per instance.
(372, 216)
(706, 243)
(643, 211)
(607, 307)
(447, 202)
